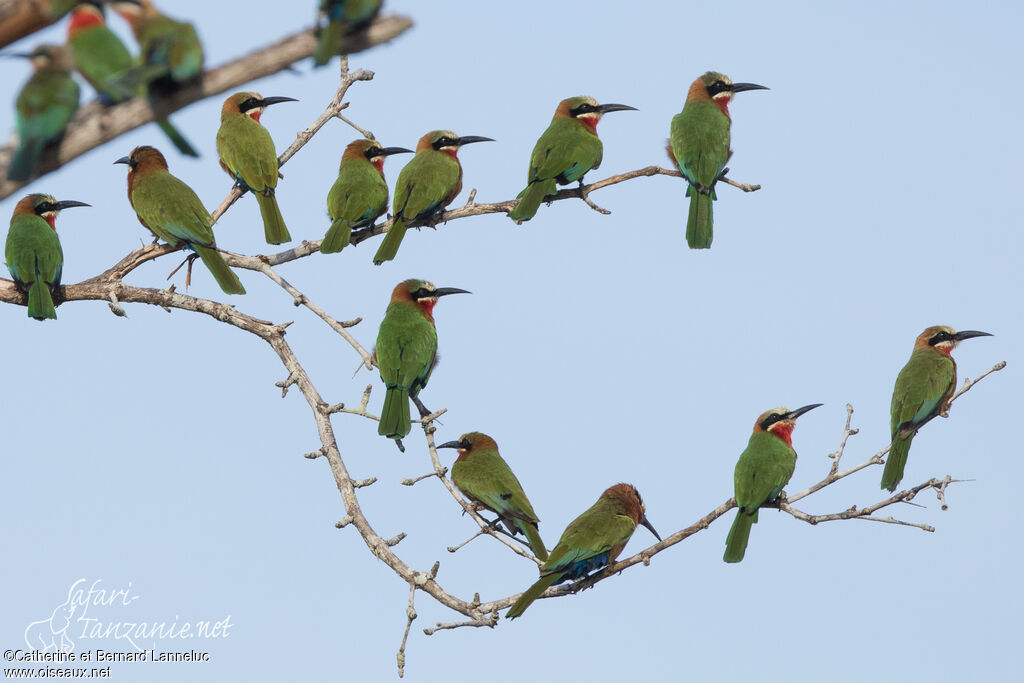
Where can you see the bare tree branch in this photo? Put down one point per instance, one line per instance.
(95, 124)
(19, 18)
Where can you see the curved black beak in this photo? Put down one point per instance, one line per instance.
(267, 101)
(445, 291)
(968, 334)
(124, 160)
(605, 108)
(469, 139)
(794, 414)
(650, 527)
(388, 151)
(450, 444)
(68, 204)
(743, 87)
(21, 55)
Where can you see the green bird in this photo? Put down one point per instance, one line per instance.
(170, 210)
(44, 107)
(343, 18)
(699, 147)
(407, 350)
(170, 49)
(359, 195)
(485, 478)
(762, 471)
(33, 251)
(564, 153)
(247, 154)
(428, 183)
(591, 541)
(923, 389)
(106, 64)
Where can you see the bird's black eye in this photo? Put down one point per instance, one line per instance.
(770, 420)
(718, 86)
(584, 108)
(939, 338)
(444, 142)
(422, 293)
(373, 152)
(44, 207)
(465, 445)
(248, 104)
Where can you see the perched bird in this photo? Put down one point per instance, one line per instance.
(33, 251)
(342, 17)
(247, 154)
(483, 475)
(564, 153)
(44, 107)
(762, 471)
(923, 389)
(170, 49)
(407, 350)
(359, 196)
(699, 147)
(591, 541)
(170, 210)
(427, 184)
(105, 62)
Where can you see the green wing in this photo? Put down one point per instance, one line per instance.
(171, 209)
(247, 149)
(700, 142)
(596, 531)
(33, 251)
(406, 347)
(486, 478)
(359, 195)
(427, 183)
(101, 58)
(762, 471)
(922, 386)
(565, 151)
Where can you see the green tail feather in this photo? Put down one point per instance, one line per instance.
(739, 534)
(530, 200)
(533, 536)
(395, 422)
(329, 43)
(531, 594)
(894, 464)
(338, 237)
(224, 276)
(274, 229)
(177, 138)
(389, 247)
(698, 225)
(26, 158)
(40, 302)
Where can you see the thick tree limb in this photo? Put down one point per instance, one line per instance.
(19, 18)
(95, 124)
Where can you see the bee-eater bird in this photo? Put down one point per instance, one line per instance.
(762, 471)
(699, 147)
(170, 49)
(485, 478)
(44, 107)
(247, 154)
(106, 64)
(343, 18)
(564, 153)
(591, 541)
(407, 350)
(923, 389)
(359, 196)
(428, 183)
(170, 210)
(33, 251)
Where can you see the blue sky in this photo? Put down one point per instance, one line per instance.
(155, 454)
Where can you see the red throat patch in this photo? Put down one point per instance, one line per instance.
(427, 306)
(378, 163)
(256, 116)
(590, 122)
(51, 218)
(83, 18)
(723, 105)
(783, 431)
